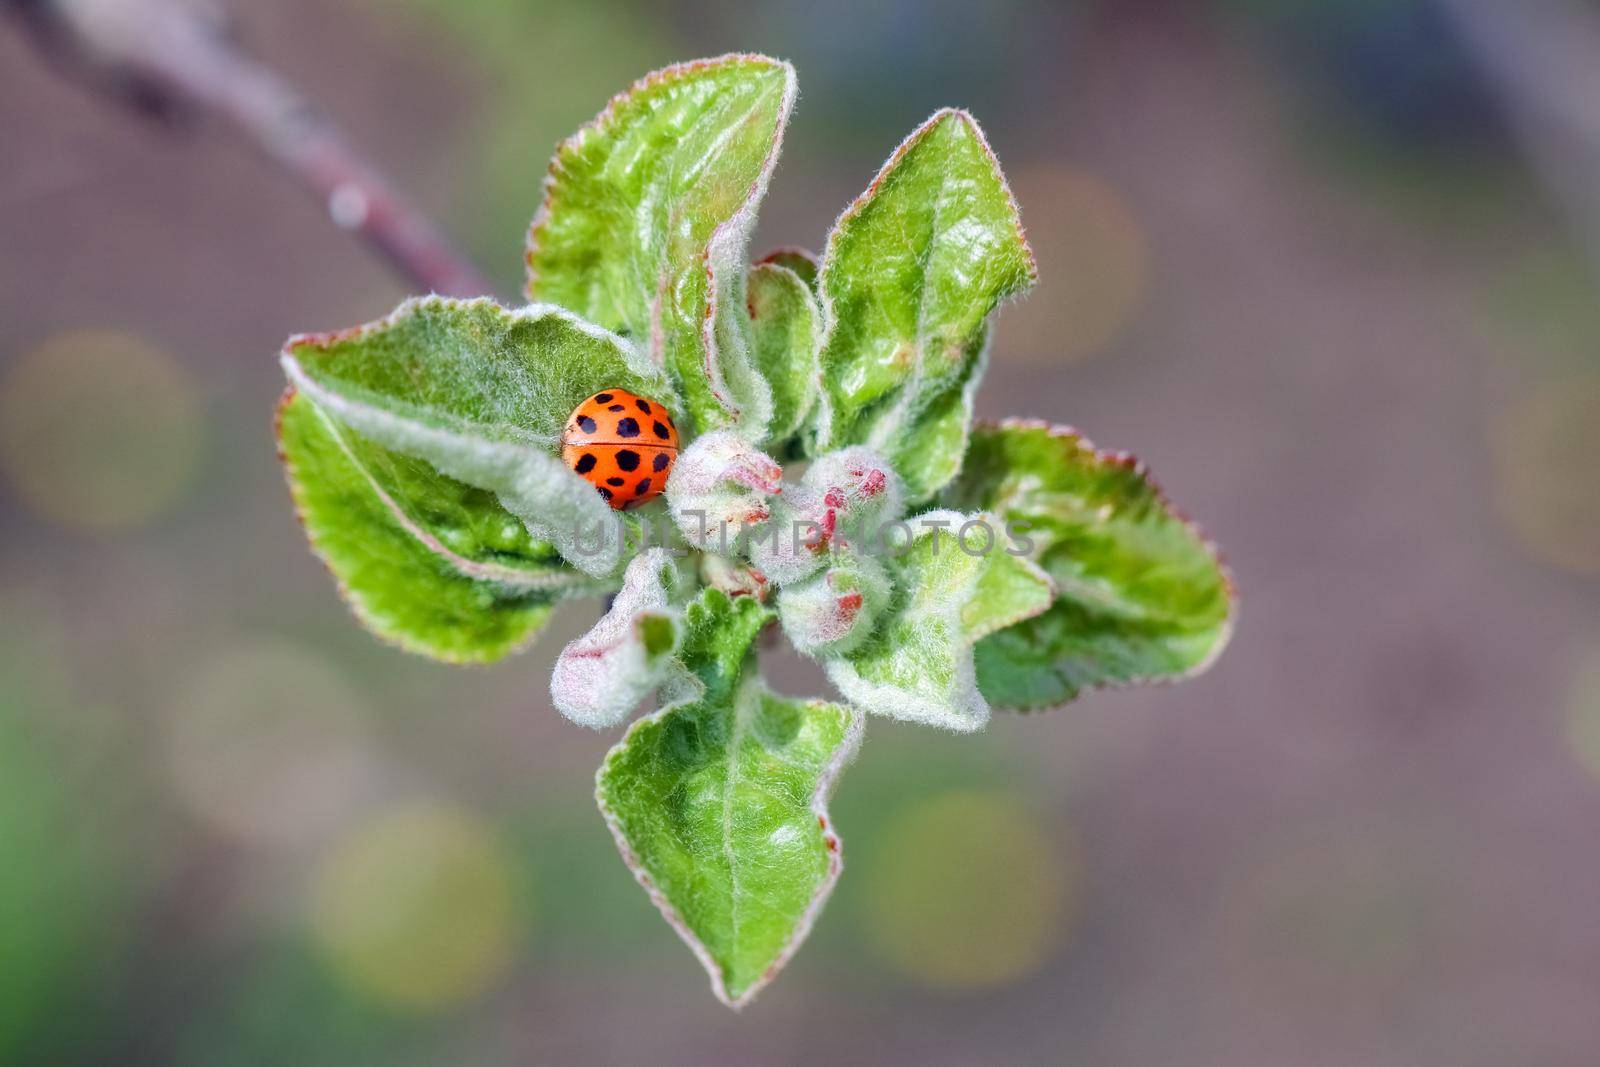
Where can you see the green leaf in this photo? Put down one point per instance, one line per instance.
(600, 677)
(955, 582)
(785, 331)
(464, 525)
(646, 218)
(1142, 595)
(718, 803)
(481, 393)
(912, 271)
(470, 607)
(929, 455)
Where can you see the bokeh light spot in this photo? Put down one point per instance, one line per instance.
(1546, 488)
(267, 742)
(98, 430)
(1093, 265)
(968, 890)
(417, 910)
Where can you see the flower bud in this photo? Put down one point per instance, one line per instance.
(851, 493)
(838, 609)
(794, 544)
(720, 485)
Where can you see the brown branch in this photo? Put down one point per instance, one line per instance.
(172, 54)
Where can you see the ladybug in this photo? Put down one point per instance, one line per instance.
(622, 444)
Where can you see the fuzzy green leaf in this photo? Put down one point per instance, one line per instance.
(913, 270)
(1142, 596)
(481, 394)
(718, 803)
(919, 664)
(785, 329)
(646, 218)
(929, 455)
(464, 525)
(479, 592)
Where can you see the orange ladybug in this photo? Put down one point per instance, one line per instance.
(623, 444)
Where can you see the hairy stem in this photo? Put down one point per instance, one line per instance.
(173, 54)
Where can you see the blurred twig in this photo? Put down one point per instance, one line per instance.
(172, 55)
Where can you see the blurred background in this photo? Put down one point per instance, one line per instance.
(1329, 266)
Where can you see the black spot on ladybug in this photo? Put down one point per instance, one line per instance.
(598, 444)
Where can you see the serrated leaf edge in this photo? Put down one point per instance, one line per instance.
(534, 312)
(729, 243)
(846, 751)
(1140, 469)
(533, 446)
(865, 693)
(744, 217)
(823, 420)
(573, 141)
(566, 580)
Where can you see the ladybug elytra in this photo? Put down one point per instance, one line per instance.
(623, 444)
